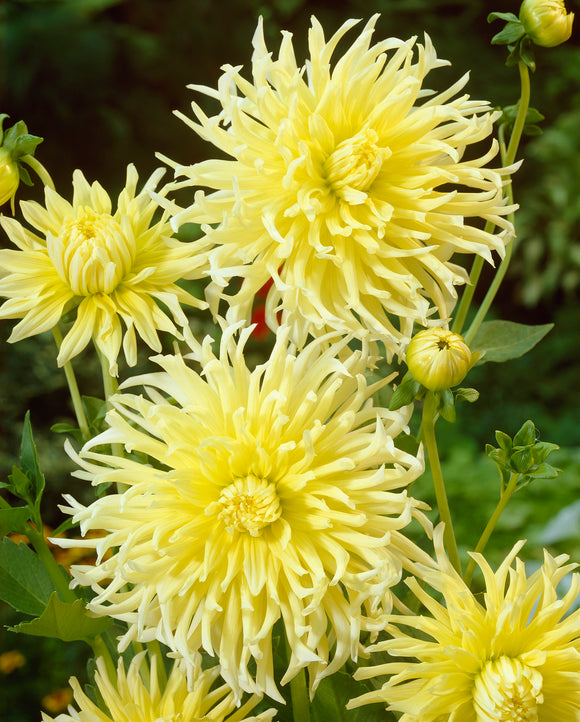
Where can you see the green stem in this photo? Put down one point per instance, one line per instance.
(154, 649)
(508, 158)
(521, 116)
(467, 295)
(39, 169)
(429, 414)
(74, 390)
(110, 386)
(100, 649)
(41, 547)
(490, 526)
(479, 317)
(299, 693)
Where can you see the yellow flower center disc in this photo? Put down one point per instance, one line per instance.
(353, 166)
(508, 691)
(249, 504)
(95, 254)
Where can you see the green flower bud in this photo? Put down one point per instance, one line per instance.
(546, 21)
(439, 359)
(9, 176)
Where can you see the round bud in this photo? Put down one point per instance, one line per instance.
(438, 359)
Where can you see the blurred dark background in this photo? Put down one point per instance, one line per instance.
(99, 79)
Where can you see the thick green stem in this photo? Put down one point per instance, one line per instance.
(299, 693)
(491, 524)
(41, 547)
(74, 390)
(39, 169)
(429, 414)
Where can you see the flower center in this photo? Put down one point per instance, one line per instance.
(508, 691)
(353, 166)
(95, 253)
(249, 504)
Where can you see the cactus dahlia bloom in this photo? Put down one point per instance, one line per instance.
(350, 183)
(110, 266)
(273, 494)
(135, 696)
(514, 657)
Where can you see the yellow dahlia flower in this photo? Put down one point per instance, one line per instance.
(135, 697)
(273, 494)
(348, 183)
(110, 266)
(512, 657)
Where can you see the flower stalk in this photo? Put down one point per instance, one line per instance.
(491, 524)
(298, 692)
(428, 430)
(507, 160)
(73, 389)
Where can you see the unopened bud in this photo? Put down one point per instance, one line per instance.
(439, 359)
(546, 21)
(9, 176)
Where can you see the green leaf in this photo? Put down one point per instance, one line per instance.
(526, 435)
(504, 340)
(512, 32)
(29, 459)
(24, 582)
(508, 17)
(331, 698)
(504, 440)
(13, 521)
(20, 485)
(446, 405)
(404, 393)
(466, 394)
(69, 622)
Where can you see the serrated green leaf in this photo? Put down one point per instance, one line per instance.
(505, 340)
(24, 582)
(61, 620)
(13, 521)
